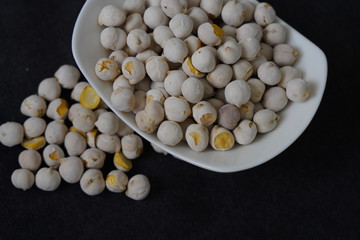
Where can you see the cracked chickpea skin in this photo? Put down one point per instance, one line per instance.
(107, 69)
(221, 139)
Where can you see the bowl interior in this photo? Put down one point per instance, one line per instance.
(295, 117)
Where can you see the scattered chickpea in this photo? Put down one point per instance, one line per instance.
(34, 127)
(57, 109)
(107, 123)
(68, 76)
(71, 169)
(30, 159)
(33, 106)
(55, 132)
(52, 154)
(49, 89)
(93, 158)
(245, 132)
(121, 162)
(132, 146)
(75, 143)
(84, 120)
(92, 182)
(116, 181)
(47, 179)
(108, 143)
(23, 179)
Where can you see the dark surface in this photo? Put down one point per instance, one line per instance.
(310, 191)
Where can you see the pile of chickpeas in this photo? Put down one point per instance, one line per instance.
(209, 72)
(75, 140)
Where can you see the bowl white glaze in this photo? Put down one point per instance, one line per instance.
(295, 117)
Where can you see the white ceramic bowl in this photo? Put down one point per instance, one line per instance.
(295, 117)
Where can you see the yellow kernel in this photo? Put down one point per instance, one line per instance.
(34, 143)
(89, 98)
(111, 179)
(63, 108)
(218, 30)
(129, 67)
(122, 161)
(54, 156)
(207, 118)
(196, 137)
(224, 141)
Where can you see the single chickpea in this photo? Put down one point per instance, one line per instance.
(71, 169)
(269, 73)
(204, 113)
(250, 49)
(155, 95)
(138, 40)
(92, 182)
(197, 137)
(289, 73)
(143, 123)
(93, 158)
(85, 120)
(113, 38)
(264, 14)
(47, 179)
(132, 146)
(52, 154)
(68, 76)
(245, 132)
(175, 50)
(55, 132)
(204, 60)
(121, 162)
(154, 16)
(91, 137)
(237, 92)
(57, 109)
(111, 16)
(275, 99)
(22, 179)
(155, 112)
(118, 56)
(233, 13)
(49, 89)
(210, 34)
(116, 181)
(169, 133)
(274, 34)
(193, 90)
(34, 127)
(221, 139)
(249, 30)
(177, 109)
(193, 43)
(285, 55)
(257, 89)
(134, 21)
(221, 76)
(298, 90)
(173, 82)
(173, 7)
(198, 16)
(265, 120)
(108, 143)
(33, 106)
(249, 8)
(107, 69)
(123, 99)
(133, 69)
(212, 7)
(107, 123)
(75, 144)
(162, 34)
(30, 159)
(229, 116)
(157, 68)
(229, 53)
(181, 25)
(138, 186)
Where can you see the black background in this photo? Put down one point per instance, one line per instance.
(310, 191)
